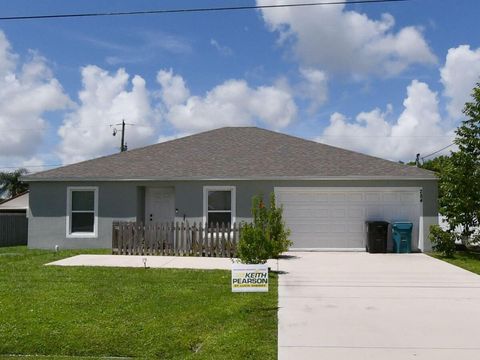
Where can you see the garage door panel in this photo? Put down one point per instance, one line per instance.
(330, 242)
(356, 213)
(305, 196)
(337, 197)
(390, 197)
(338, 213)
(309, 219)
(309, 228)
(374, 212)
(373, 197)
(408, 197)
(338, 228)
(305, 211)
(403, 212)
(334, 218)
(355, 196)
(356, 228)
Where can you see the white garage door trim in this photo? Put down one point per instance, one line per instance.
(385, 203)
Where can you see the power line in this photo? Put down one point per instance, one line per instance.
(193, 10)
(150, 126)
(69, 128)
(436, 152)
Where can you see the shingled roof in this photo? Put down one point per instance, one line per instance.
(234, 153)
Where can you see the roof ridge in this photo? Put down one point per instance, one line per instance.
(233, 151)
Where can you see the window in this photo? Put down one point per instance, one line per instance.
(82, 205)
(219, 204)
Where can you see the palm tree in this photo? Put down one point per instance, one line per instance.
(10, 184)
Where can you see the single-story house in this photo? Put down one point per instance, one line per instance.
(327, 193)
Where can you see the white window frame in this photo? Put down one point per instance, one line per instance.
(233, 202)
(69, 233)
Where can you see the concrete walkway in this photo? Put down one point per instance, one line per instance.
(377, 306)
(168, 262)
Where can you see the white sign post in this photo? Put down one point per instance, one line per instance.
(249, 278)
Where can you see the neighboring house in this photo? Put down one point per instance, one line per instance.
(13, 220)
(16, 204)
(327, 193)
(442, 221)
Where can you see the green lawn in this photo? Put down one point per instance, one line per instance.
(60, 312)
(469, 260)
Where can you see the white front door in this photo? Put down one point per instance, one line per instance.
(334, 218)
(159, 205)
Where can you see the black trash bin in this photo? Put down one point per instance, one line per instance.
(377, 235)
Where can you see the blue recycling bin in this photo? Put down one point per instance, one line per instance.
(402, 237)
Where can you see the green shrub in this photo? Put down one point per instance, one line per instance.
(267, 236)
(442, 241)
(253, 247)
(276, 231)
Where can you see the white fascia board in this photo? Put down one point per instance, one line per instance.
(253, 178)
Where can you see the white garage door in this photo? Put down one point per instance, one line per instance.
(334, 218)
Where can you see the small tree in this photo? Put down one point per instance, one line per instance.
(277, 232)
(253, 247)
(460, 180)
(266, 237)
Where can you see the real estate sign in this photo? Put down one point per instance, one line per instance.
(249, 278)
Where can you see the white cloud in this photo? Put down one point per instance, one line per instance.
(27, 91)
(459, 75)
(144, 46)
(106, 99)
(173, 91)
(222, 49)
(34, 164)
(165, 138)
(232, 103)
(417, 130)
(338, 40)
(314, 87)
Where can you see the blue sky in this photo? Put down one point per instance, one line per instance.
(351, 76)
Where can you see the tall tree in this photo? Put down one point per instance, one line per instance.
(460, 180)
(437, 165)
(10, 183)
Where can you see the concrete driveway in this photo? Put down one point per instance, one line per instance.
(377, 306)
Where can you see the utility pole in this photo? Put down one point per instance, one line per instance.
(123, 147)
(123, 144)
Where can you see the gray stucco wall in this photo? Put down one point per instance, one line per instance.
(48, 206)
(125, 201)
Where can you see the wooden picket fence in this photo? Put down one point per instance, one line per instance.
(175, 239)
